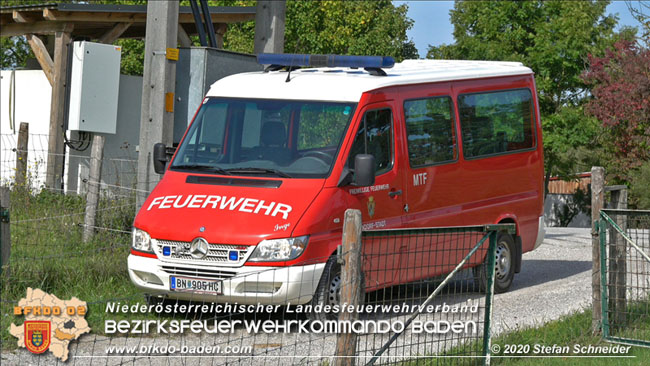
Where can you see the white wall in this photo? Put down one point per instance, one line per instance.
(33, 93)
(32, 105)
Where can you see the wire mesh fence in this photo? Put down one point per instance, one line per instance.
(118, 175)
(420, 300)
(625, 275)
(426, 293)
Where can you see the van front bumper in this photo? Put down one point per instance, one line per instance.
(243, 285)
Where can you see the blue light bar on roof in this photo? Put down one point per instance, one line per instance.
(287, 59)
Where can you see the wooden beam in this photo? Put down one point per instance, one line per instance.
(21, 17)
(42, 56)
(183, 39)
(217, 18)
(80, 16)
(121, 17)
(115, 33)
(54, 175)
(44, 27)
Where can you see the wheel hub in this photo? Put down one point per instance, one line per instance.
(503, 261)
(334, 295)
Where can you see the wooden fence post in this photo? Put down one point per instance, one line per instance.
(21, 156)
(617, 259)
(92, 199)
(352, 285)
(5, 228)
(597, 197)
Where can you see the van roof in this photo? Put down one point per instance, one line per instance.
(347, 85)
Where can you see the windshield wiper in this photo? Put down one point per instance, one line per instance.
(203, 168)
(259, 170)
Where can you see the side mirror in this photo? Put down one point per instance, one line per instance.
(159, 158)
(364, 170)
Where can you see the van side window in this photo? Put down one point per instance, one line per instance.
(375, 136)
(496, 122)
(430, 129)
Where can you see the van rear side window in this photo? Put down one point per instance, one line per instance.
(496, 122)
(430, 130)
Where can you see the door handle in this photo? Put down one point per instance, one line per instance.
(392, 194)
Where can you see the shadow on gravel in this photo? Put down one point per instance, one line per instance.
(535, 271)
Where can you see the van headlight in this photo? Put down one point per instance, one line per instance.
(141, 240)
(279, 249)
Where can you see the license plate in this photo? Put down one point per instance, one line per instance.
(189, 284)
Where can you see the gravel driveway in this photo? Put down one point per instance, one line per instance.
(554, 281)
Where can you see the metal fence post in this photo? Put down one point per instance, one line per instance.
(487, 334)
(597, 194)
(601, 228)
(21, 155)
(92, 199)
(5, 228)
(352, 286)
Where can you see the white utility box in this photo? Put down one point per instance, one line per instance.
(94, 87)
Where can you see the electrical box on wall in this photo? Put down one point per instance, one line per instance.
(94, 85)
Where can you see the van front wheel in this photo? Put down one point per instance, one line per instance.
(328, 292)
(504, 268)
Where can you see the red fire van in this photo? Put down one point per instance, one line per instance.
(250, 208)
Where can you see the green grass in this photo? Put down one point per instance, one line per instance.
(568, 331)
(49, 254)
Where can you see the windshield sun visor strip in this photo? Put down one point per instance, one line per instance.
(218, 181)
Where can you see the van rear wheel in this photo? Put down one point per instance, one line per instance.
(504, 266)
(328, 292)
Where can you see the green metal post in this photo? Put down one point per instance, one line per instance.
(491, 255)
(602, 233)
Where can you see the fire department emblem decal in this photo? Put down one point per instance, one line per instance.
(371, 206)
(37, 336)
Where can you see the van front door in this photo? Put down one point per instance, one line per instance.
(382, 204)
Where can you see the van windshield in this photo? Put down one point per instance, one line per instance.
(290, 139)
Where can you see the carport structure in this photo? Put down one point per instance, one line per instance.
(98, 22)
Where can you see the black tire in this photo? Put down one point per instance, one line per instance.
(328, 291)
(504, 271)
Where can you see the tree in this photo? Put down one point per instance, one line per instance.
(620, 82)
(640, 10)
(554, 39)
(14, 52)
(337, 27)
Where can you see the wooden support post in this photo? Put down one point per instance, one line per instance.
(92, 199)
(183, 38)
(269, 26)
(617, 261)
(5, 229)
(597, 198)
(54, 175)
(21, 156)
(219, 33)
(115, 33)
(351, 285)
(43, 57)
(159, 77)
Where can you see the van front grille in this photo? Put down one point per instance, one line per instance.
(214, 274)
(216, 252)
